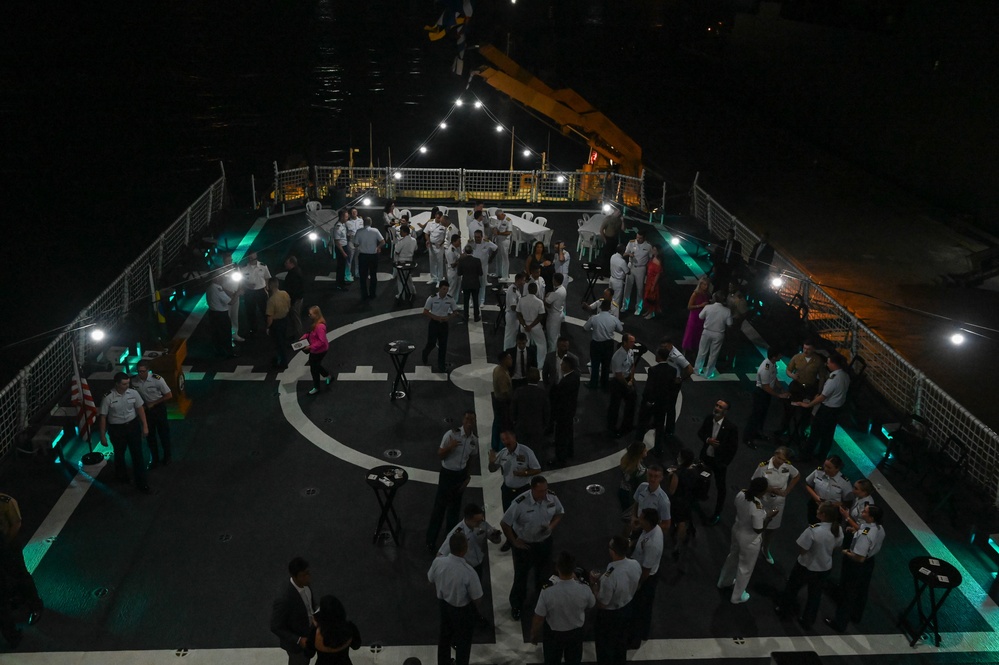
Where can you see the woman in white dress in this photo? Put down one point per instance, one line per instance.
(782, 477)
(750, 521)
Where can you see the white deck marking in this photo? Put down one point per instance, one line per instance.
(241, 373)
(192, 376)
(360, 373)
(49, 529)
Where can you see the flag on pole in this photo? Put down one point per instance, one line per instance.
(83, 400)
(158, 308)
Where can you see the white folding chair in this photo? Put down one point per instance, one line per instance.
(491, 211)
(405, 213)
(313, 206)
(586, 216)
(586, 245)
(443, 210)
(543, 221)
(529, 216)
(518, 240)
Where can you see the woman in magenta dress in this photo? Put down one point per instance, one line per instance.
(695, 325)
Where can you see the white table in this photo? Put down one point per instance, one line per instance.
(526, 231)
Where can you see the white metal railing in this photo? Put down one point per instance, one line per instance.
(458, 185)
(47, 377)
(906, 388)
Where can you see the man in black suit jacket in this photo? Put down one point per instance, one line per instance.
(291, 614)
(720, 437)
(524, 358)
(550, 372)
(659, 396)
(565, 395)
(530, 411)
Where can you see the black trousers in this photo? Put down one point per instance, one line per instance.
(620, 392)
(436, 336)
(316, 368)
(256, 309)
(758, 415)
(562, 644)
(218, 323)
(341, 266)
(450, 487)
(801, 576)
(854, 584)
(641, 609)
(473, 295)
(820, 439)
(564, 437)
(610, 635)
(719, 471)
(367, 265)
(279, 340)
(457, 627)
(159, 432)
(537, 556)
(128, 436)
(600, 355)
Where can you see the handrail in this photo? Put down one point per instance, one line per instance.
(46, 377)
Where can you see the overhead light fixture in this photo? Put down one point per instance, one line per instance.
(97, 334)
(365, 201)
(458, 102)
(397, 175)
(499, 128)
(478, 104)
(957, 339)
(527, 153)
(443, 125)
(607, 208)
(313, 236)
(777, 282)
(675, 241)
(560, 179)
(423, 149)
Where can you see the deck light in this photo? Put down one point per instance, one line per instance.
(957, 339)
(97, 334)
(313, 236)
(478, 104)
(236, 276)
(458, 102)
(397, 175)
(366, 201)
(443, 125)
(527, 153)
(675, 241)
(777, 282)
(423, 149)
(499, 128)
(560, 179)
(607, 208)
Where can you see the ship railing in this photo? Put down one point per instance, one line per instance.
(898, 381)
(537, 186)
(44, 380)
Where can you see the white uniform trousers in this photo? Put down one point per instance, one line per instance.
(502, 256)
(453, 283)
(537, 336)
(617, 286)
(436, 264)
(636, 278)
(512, 324)
(553, 326)
(711, 344)
(741, 560)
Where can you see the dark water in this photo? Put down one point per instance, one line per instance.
(116, 116)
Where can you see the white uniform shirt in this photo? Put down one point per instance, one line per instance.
(457, 459)
(473, 226)
(404, 249)
(658, 500)
(481, 251)
(618, 267)
(716, 317)
(520, 459)
(366, 239)
(456, 582)
(340, 235)
(513, 296)
(777, 477)
(649, 549)
(622, 361)
(255, 277)
(857, 509)
(820, 542)
(353, 224)
(218, 298)
(766, 375)
(556, 301)
(677, 361)
(829, 488)
(441, 306)
(835, 389)
(530, 307)
(640, 253)
(619, 583)
(868, 540)
(476, 538)
(120, 409)
(152, 389)
(501, 226)
(529, 519)
(562, 264)
(451, 256)
(749, 515)
(603, 325)
(564, 604)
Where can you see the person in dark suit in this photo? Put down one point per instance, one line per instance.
(291, 614)
(470, 271)
(720, 438)
(564, 396)
(659, 397)
(524, 358)
(726, 259)
(530, 411)
(551, 371)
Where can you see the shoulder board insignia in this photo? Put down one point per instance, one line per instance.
(763, 463)
(4, 498)
(818, 468)
(157, 376)
(609, 571)
(845, 479)
(546, 585)
(520, 498)
(108, 392)
(866, 531)
(812, 526)
(551, 492)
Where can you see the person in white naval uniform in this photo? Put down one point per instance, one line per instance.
(747, 535)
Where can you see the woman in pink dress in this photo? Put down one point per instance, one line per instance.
(695, 325)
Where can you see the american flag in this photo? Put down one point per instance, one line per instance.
(83, 400)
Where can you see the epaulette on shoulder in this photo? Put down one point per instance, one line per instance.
(763, 463)
(520, 498)
(845, 479)
(109, 392)
(552, 492)
(157, 376)
(866, 530)
(812, 526)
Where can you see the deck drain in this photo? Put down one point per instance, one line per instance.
(393, 453)
(225, 537)
(309, 491)
(101, 592)
(180, 653)
(376, 647)
(595, 489)
(739, 640)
